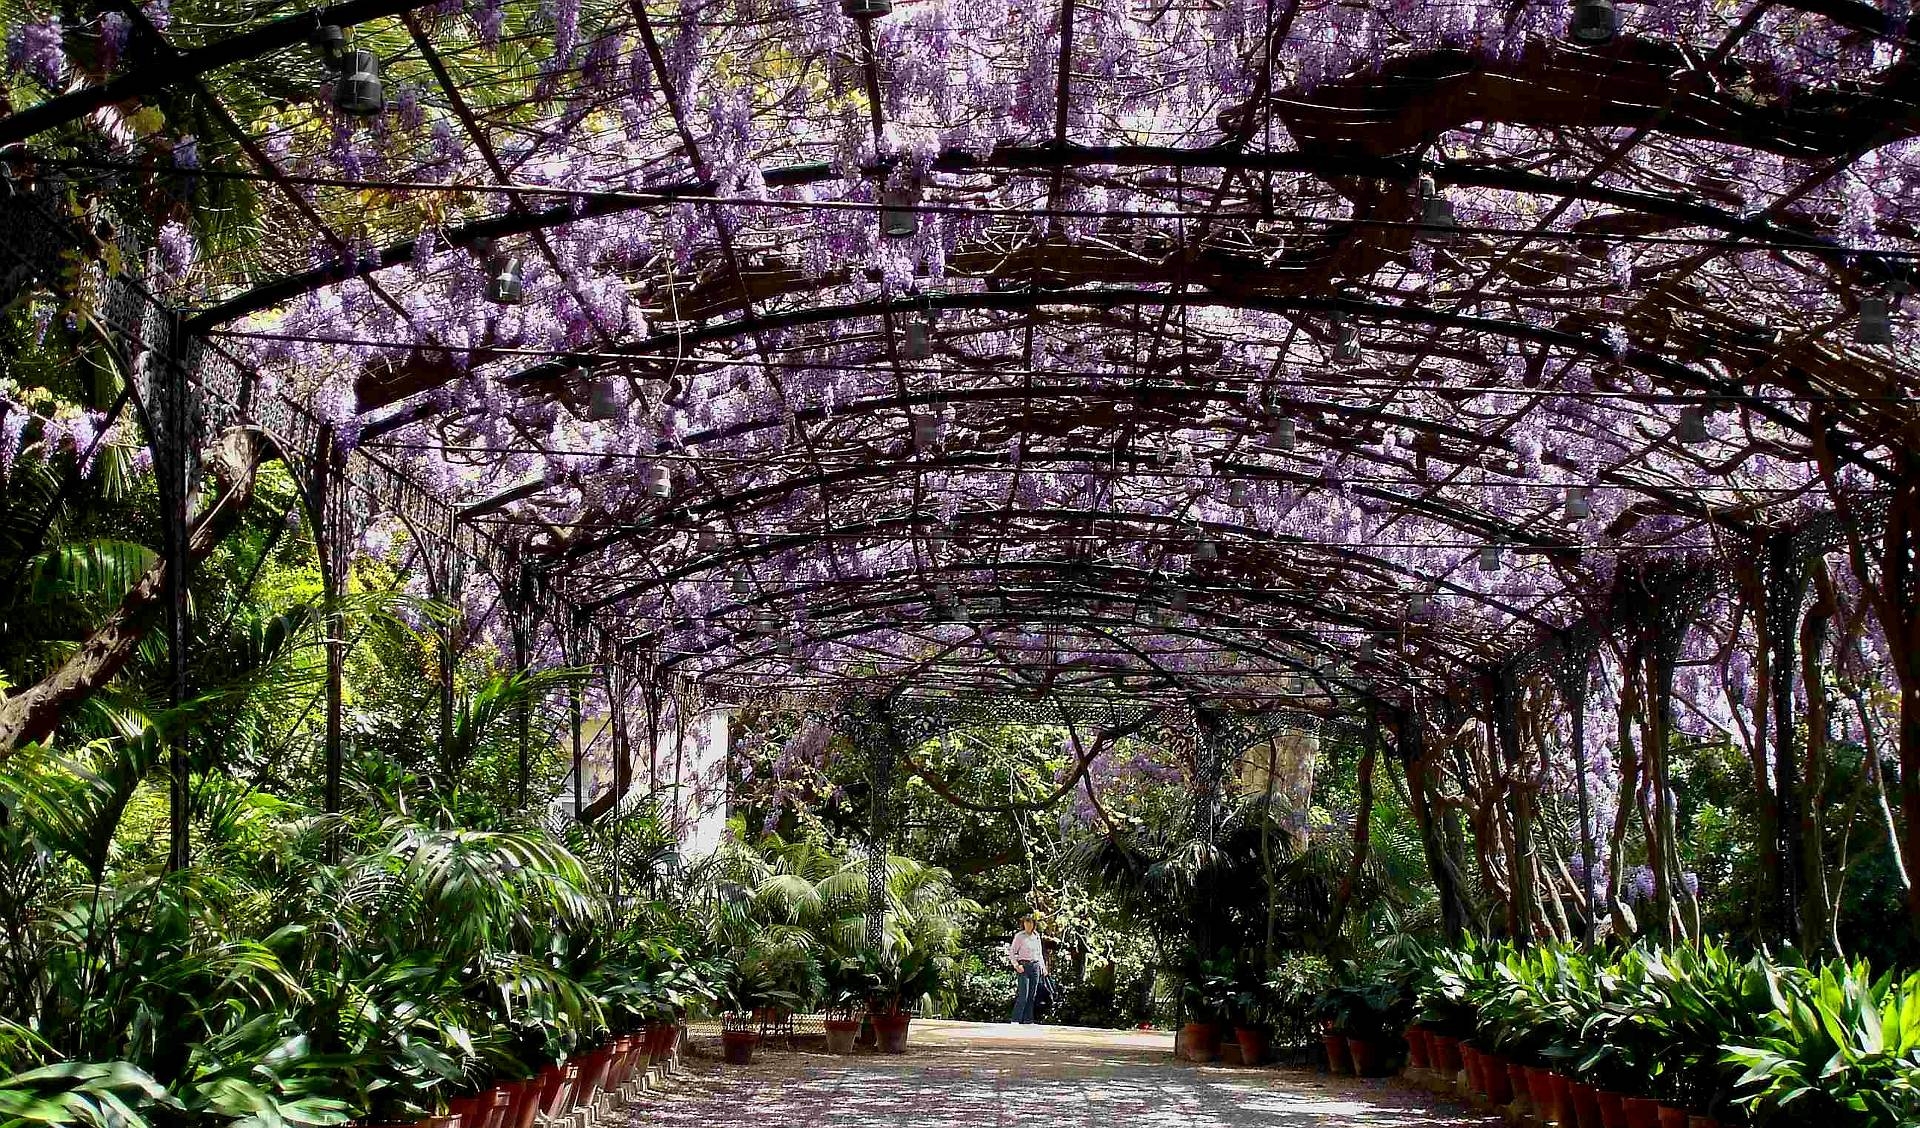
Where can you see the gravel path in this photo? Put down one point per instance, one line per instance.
(962, 1075)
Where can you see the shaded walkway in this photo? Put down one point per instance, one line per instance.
(962, 1075)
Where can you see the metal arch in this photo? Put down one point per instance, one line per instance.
(585, 205)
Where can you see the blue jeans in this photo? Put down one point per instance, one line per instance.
(1027, 982)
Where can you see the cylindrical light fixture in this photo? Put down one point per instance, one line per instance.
(1875, 326)
(898, 219)
(1579, 505)
(606, 397)
(358, 91)
(1693, 425)
(1284, 436)
(1594, 22)
(918, 343)
(1437, 224)
(1490, 558)
(504, 286)
(926, 432)
(659, 480)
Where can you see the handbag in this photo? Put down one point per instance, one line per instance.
(1046, 993)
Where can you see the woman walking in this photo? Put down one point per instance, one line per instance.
(1029, 964)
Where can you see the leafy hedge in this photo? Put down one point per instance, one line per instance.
(1762, 1038)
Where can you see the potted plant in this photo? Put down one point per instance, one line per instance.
(904, 978)
(1367, 1012)
(1250, 1008)
(850, 981)
(755, 981)
(1207, 994)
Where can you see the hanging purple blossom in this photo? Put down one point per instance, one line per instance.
(35, 49)
(13, 426)
(178, 251)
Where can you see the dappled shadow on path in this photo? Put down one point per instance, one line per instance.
(967, 1078)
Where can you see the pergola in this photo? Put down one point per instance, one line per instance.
(1257, 354)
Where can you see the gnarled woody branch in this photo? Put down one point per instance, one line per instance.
(32, 712)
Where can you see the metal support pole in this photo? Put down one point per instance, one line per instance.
(330, 533)
(172, 473)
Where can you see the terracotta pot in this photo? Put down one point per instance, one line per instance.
(1230, 1051)
(1517, 1079)
(1253, 1044)
(471, 1108)
(891, 1030)
(1586, 1105)
(840, 1034)
(1444, 1052)
(499, 1100)
(1499, 1088)
(1703, 1122)
(1642, 1112)
(1562, 1096)
(1417, 1052)
(737, 1046)
(1470, 1061)
(661, 1037)
(593, 1073)
(1540, 1091)
(527, 1105)
(1613, 1109)
(1368, 1056)
(1673, 1117)
(551, 1080)
(1200, 1041)
(1337, 1060)
(448, 1121)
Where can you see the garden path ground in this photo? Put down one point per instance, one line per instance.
(967, 1075)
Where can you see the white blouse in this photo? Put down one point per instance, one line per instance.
(1026, 946)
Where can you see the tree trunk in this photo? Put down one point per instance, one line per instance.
(32, 712)
(1413, 759)
(1362, 839)
(1816, 905)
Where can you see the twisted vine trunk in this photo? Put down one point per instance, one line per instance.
(33, 712)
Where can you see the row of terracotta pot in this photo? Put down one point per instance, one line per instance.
(559, 1089)
(1202, 1041)
(1363, 1057)
(890, 1030)
(1555, 1098)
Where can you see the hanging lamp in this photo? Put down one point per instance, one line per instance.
(1284, 436)
(1437, 223)
(1693, 425)
(358, 91)
(1490, 558)
(898, 219)
(659, 480)
(1346, 349)
(1594, 22)
(1237, 493)
(866, 9)
(919, 339)
(1579, 506)
(605, 397)
(1875, 326)
(504, 284)
(926, 432)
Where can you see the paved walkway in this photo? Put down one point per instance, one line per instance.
(964, 1075)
